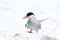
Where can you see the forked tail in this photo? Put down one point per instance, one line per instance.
(43, 20)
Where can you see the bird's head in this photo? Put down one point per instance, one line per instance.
(29, 14)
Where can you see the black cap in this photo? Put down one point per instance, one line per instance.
(29, 14)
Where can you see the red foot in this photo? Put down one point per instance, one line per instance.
(29, 32)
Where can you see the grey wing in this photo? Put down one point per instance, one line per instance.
(39, 24)
(26, 25)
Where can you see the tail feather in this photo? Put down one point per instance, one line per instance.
(43, 20)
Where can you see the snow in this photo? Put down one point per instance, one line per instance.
(34, 36)
(11, 22)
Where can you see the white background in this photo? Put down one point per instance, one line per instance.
(12, 12)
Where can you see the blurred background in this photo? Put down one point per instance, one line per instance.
(12, 12)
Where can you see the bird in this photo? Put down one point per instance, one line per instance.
(32, 23)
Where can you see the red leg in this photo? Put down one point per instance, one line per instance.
(30, 31)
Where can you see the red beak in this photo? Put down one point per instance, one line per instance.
(25, 17)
